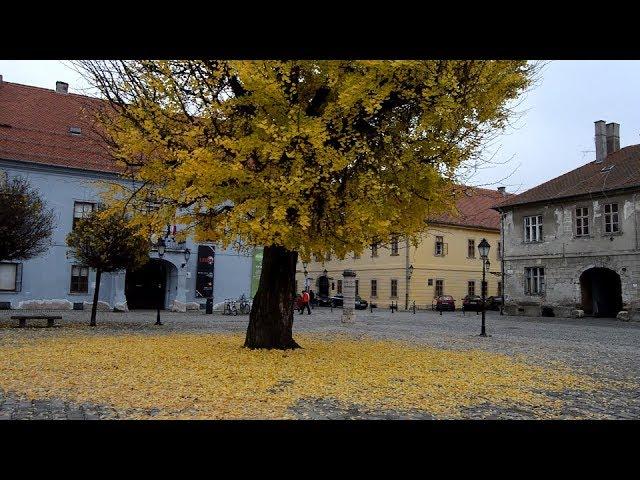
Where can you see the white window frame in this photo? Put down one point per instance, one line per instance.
(471, 242)
(374, 291)
(582, 221)
(534, 283)
(439, 252)
(394, 281)
(611, 218)
(435, 287)
(470, 284)
(532, 228)
(17, 277)
(394, 246)
(83, 212)
(81, 268)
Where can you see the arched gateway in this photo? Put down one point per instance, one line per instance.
(601, 292)
(151, 285)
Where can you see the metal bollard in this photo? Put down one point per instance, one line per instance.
(414, 307)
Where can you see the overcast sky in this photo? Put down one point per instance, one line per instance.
(552, 134)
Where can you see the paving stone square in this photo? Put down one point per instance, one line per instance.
(604, 349)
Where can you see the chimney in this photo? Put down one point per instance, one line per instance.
(601, 141)
(62, 87)
(613, 137)
(503, 191)
(0, 79)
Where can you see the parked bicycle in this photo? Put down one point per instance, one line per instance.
(245, 305)
(230, 307)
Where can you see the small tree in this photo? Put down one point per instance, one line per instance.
(25, 223)
(106, 242)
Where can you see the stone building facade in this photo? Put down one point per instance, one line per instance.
(571, 245)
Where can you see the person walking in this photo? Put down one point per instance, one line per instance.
(312, 297)
(305, 302)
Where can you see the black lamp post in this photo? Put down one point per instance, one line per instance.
(187, 254)
(483, 248)
(161, 249)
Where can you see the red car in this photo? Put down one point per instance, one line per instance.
(444, 302)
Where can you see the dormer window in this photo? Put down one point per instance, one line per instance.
(75, 130)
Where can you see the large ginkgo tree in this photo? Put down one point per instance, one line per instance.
(301, 157)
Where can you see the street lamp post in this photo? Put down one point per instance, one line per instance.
(161, 249)
(408, 282)
(306, 275)
(483, 248)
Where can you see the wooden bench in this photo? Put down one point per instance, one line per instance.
(22, 319)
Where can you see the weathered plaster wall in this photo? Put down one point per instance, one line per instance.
(565, 256)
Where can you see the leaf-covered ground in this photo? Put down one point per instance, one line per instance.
(212, 376)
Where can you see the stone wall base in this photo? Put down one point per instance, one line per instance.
(54, 304)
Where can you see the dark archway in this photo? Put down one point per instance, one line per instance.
(146, 287)
(323, 286)
(601, 291)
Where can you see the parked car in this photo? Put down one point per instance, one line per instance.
(495, 302)
(444, 302)
(472, 303)
(338, 301)
(323, 301)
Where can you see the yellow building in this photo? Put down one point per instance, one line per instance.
(446, 262)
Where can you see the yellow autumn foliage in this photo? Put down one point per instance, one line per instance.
(211, 376)
(317, 156)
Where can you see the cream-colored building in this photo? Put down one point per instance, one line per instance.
(446, 262)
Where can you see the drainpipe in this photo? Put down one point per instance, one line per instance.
(635, 217)
(502, 259)
(406, 275)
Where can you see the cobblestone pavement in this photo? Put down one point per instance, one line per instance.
(606, 349)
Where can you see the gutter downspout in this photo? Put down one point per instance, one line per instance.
(502, 260)
(406, 275)
(635, 217)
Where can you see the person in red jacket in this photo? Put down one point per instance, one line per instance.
(305, 302)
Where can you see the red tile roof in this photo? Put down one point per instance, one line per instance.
(34, 127)
(619, 170)
(474, 209)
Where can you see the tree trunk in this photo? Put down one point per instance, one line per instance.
(94, 307)
(271, 317)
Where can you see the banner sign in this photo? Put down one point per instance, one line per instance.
(256, 269)
(204, 275)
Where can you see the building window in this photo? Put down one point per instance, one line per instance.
(471, 248)
(533, 228)
(394, 246)
(80, 279)
(611, 223)
(471, 287)
(439, 246)
(316, 257)
(394, 288)
(374, 250)
(328, 259)
(499, 252)
(356, 256)
(339, 286)
(430, 282)
(10, 277)
(82, 210)
(357, 287)
(499, 289)
(534, 280)
(582, 221)
(374, 288)
(439, 288)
